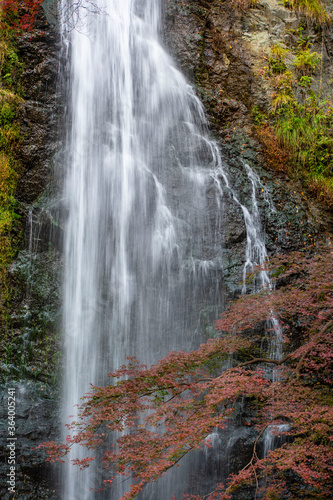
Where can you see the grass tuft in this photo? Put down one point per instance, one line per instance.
(322, 189)
(314, 10)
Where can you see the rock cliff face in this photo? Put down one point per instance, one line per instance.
(29, 349)
(222, 50)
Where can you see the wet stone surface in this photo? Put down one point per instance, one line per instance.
(36, 419)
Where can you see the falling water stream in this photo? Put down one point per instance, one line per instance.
(143, 237)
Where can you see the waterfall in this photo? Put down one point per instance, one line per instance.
(144, 201)
(274, 436)
(143, 248)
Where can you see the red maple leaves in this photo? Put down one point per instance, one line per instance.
(170, 408)
(19, 14)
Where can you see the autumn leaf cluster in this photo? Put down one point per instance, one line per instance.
(166, 410)
(19, 14)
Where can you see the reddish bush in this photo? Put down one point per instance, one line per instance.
(276, 154)
(185, 396)
(19, 14)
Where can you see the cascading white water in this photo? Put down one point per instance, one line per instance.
(143, 246)
(143, 260)
(256, 254)
(274, 435)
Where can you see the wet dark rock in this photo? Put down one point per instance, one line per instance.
(36, 419)
(235, 227)
(30, 352)
(221, 52)
(34, 299)
(212, 45)
(38, 113)
(221, 49)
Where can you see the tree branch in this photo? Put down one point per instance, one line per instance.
(265, 360)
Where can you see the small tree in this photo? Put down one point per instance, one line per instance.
(169, 409)
(20, 14)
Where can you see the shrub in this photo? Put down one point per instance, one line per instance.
(314, 10)
(307, 130)
(307, 62)
(322, 189)
(19, 14)
(184, 397)
(277, 58)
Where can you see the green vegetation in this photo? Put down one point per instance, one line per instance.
(27, 331)
(302, 132)
(185, 396)
(284, 95)
(8, 179)
(307, 129)
(277, 58)
(314, 10)
(307, 62)
(10, 97)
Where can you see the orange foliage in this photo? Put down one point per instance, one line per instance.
(276, 154)
(322, 191)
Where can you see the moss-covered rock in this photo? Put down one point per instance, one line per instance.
(30, 262)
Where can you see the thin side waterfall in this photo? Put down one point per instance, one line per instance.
(274, 436)
(256, 254)
(144, 197)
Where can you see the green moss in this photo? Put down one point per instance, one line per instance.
(257, 116)
(7, 115)
(10, 70)
(8, 219)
